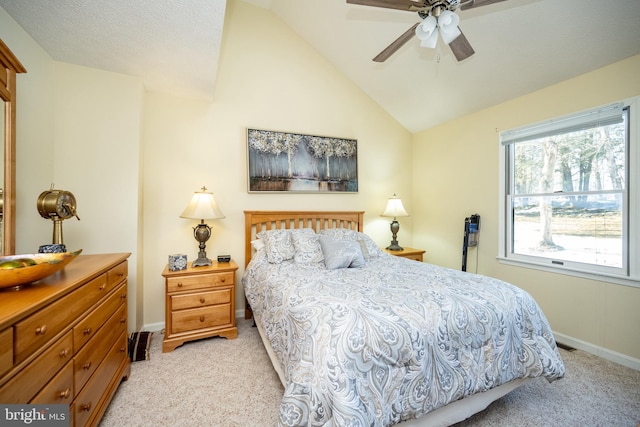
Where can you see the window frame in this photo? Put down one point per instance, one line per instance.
(629, 273)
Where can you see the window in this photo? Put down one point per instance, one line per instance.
(569, 202)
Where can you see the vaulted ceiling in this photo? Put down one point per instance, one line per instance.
(521, 46)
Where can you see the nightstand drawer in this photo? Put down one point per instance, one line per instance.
(200, 318)
(200, 281)
(181, 302)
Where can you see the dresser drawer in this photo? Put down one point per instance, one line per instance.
(200, 281)
(28, 382)
(6, 350)
(84, 406)
(88, 359)
(37, 329)
(117, 274)
(201, 299)
(89, 326)
(59, 390)
(200, 318)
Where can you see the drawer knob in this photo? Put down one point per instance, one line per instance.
(86, 366)
(202, 318)
(41, 330)
(202, 300)
(102, 286)
(120, 274)
(222, 280)
(123, 320)
(122, 349)
(86, 406)
(87, 331)
(123, 296)
(179, 284)
(64, 353)
(65, 394)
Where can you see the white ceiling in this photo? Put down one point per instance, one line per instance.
(521, 46)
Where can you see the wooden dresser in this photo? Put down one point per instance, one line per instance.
(200, 303)
(64, 339)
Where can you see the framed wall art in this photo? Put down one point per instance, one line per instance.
(291, 162)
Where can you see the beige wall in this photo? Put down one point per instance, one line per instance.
(456, 173)
(275, 82)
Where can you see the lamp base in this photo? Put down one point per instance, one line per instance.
(201, 262)
(394, 246)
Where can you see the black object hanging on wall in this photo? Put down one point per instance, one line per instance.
(471, 228)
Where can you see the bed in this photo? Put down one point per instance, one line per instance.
(359, 337)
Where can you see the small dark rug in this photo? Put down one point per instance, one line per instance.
(139, 343)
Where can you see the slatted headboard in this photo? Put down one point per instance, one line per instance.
(256, 221)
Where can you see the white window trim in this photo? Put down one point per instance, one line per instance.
(633, 241)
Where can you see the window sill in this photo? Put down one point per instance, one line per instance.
(601, 277)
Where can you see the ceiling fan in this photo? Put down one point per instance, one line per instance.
(437, 16)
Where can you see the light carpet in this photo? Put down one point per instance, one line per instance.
(231, 383)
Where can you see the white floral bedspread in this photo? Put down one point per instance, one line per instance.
(396, 339)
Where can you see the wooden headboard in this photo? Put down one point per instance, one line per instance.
(256, 221)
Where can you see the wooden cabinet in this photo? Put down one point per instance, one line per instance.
(409, 253)
(64, 338)
(200, 303)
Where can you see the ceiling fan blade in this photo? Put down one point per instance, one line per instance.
(389, 4)
(397, 44)
(477, 3)
(461, 47)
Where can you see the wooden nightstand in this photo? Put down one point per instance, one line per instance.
(200, 303)
(410, 253)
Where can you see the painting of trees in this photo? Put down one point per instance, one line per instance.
(281, 161)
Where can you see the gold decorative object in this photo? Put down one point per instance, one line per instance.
(19, 270)
(56, 205)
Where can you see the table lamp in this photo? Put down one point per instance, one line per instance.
(202, 206)
(394, 209)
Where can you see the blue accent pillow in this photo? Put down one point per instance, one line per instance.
(341, 253)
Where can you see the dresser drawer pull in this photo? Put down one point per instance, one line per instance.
(222, 280)
(86, 366)
(64, 353)
(120, 274)
(86, 407)
(41, 330)
(123, 296)
(122, 349)
(202, 318)
(179, 284)
(123, 320)
(65, 394)
(87, 331)
(104, 285)
(202, 300)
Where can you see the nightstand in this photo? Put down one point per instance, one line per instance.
(200, 303)
(410, 253)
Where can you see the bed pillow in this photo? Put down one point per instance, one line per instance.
(341, 253)
(339, 233)
(278, 245)
(306, 246)
(372, 250)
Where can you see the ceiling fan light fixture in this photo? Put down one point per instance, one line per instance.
(427, 32)
(448, 24)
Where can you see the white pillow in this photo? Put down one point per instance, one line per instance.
(278, 245)
(341, 253)
(306, 246)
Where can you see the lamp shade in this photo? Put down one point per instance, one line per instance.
(202, 206)
(394, 208)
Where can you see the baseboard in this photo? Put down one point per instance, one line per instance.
(605, 353)
(153, 327)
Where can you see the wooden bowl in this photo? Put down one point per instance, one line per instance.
(19, 270)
